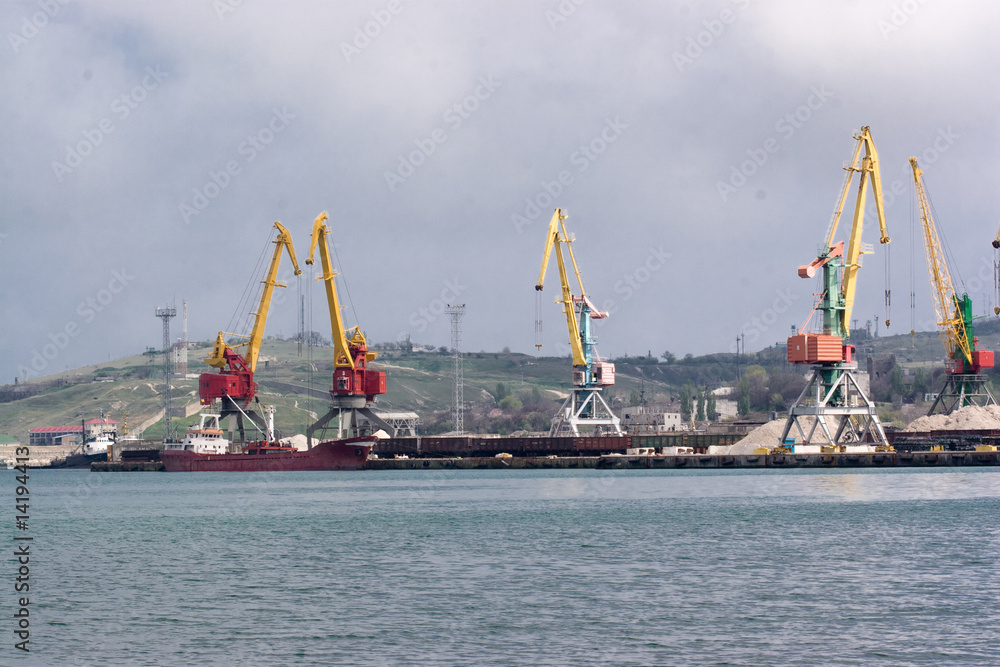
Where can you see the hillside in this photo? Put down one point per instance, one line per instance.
(418, 381)
(421, 382)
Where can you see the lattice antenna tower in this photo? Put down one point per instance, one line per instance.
(456, 311)
(182, 353)
(302, 322)
(165, 314)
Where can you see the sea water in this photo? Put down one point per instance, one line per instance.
(509, 567)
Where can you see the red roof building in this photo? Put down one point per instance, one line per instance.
(44, 436)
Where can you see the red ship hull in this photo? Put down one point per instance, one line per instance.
(349, 454)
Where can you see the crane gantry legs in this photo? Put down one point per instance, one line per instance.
(585, 407)
(833, 397)
(961, 390)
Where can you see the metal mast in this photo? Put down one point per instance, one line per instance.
(182, 356)
(302, 322)
(165, 314)
(456, 311)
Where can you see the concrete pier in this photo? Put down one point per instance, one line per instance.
(126, 466)
(689, 462)
(697, 462)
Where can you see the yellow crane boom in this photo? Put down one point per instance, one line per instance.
(281, 242)
(555, 238)
(343, 358)
(951, 324)
(869, 170)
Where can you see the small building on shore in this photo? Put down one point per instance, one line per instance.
(49, 436)
(649, 420)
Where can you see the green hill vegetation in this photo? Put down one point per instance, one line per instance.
(505, 392)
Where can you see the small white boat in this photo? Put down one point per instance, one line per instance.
(97, 445)
(206, 438)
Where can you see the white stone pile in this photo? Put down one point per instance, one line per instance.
(769, 435)
(969, 418)
(299, 441)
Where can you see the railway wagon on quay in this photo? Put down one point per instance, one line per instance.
(468, 446)
(700, 442)
(955, 440)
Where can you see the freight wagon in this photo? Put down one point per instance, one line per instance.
(700, 442)
(473, 446)
(948, 440)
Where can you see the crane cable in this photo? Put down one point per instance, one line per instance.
(953, 267)
(343, 279)
(913, 264)
(309, 350)
(996, 280)
(248, 292)
(538, 319)
(888, 289)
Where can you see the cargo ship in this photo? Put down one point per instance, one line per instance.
(205, 449)
(348, 454)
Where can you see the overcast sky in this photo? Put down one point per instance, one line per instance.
(697, 146)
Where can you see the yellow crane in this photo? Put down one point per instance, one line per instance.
(837, 311)
(355, 387)
(580, 341)
(219, 358)
(339, 334)
(833, 390)
(963, 386)
(869, 172)
(585, 405)
(351, 355)
(234, 383)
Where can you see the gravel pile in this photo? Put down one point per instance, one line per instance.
(769, 435)
(298, 440)
(766, 435)
(969, 418)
